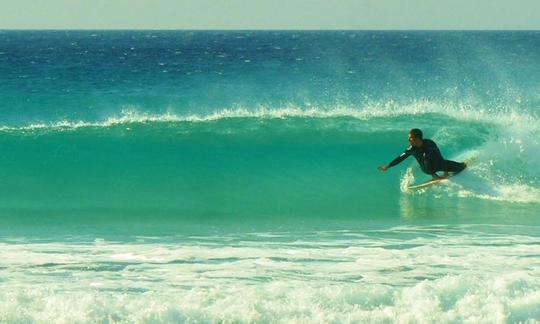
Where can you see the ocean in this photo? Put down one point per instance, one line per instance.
(231, 177)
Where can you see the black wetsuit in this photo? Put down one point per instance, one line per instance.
(430, 159)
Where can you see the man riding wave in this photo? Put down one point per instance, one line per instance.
(428, 156)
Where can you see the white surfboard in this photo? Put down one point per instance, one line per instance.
(427, 184)
(433, 182)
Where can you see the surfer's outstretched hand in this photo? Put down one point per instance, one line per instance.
(383, 168)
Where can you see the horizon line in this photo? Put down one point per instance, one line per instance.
(259, 29)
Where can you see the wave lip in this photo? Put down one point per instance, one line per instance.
(373, 110)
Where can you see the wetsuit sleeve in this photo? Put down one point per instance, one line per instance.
(401, 157)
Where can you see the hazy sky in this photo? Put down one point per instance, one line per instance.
(270, 14)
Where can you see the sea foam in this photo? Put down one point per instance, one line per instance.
(346, 276)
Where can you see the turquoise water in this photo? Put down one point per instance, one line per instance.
(232, 177)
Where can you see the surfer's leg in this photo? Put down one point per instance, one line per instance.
(452, 166)
(432, 167)
(426, 168)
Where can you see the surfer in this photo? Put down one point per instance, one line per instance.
(428, 156)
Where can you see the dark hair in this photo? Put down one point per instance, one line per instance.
(416, 133)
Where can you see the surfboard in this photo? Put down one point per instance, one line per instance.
(432, 182)
(427, 184)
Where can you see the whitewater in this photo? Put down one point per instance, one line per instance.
(207, 176)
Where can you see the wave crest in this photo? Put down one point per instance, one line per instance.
(374, 110)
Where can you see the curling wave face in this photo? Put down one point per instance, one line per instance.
(171, 161)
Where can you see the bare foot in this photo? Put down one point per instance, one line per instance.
(436, 177)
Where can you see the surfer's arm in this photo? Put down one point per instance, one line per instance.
(397, 160)
(401, 157)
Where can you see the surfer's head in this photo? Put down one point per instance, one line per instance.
(415, 137)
